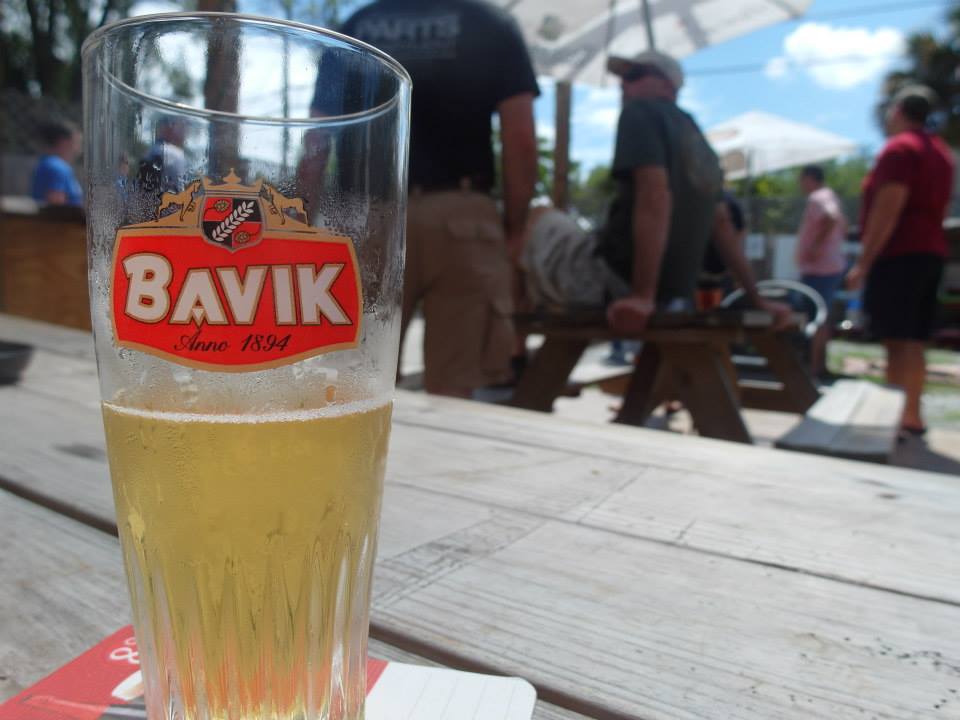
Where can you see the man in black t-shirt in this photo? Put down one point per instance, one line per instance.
(467, 60)
(667, 208)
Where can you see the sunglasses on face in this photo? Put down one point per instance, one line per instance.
(639, 72)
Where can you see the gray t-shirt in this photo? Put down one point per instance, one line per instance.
(656, 133)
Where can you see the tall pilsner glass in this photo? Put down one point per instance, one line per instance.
(246, 181)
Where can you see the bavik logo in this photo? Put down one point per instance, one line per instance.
(233, 278)
(232, 222)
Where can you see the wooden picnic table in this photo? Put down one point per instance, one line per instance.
(685, 356)
(627, 573)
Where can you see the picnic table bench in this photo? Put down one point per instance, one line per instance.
(685, 356)
(628, 574)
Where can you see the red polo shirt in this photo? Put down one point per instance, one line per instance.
(924, 164)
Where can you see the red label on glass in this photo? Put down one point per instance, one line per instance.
(232, 278)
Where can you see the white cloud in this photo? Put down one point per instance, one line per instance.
(149, 7)
(777, 68)
(591, 95)
(546, 131)
(691, 99)
(838, 58)
(604, 117)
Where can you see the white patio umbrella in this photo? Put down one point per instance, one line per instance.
(570, 40)
(756, 143)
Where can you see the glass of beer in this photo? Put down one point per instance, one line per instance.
(246, 180)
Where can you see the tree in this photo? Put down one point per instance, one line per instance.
(776, 201)
(934, 62)
(592, 197)
(40, 42)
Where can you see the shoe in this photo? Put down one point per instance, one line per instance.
(914, 431)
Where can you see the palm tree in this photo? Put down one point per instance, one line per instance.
(934, 62)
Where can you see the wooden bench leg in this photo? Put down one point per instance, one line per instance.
(647, 387)
(702, 380)
(799, 390)
(548, 373)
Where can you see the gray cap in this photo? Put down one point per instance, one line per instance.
(665, 64)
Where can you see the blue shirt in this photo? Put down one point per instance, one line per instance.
(54, 174)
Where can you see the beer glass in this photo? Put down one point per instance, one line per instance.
(246, 180)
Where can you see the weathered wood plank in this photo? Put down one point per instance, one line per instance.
(884, 527)
(855, 419)
(53, 338)
(486, 505)
(889, 527)
(64, 590)
(640, 629)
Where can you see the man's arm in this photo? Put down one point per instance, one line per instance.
(730, 246)
(55, 197)
(519, 159)
(650, 225)
(881, 221)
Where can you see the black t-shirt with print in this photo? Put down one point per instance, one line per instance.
(465, 57)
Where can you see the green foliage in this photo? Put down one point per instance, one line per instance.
(40, 42)
(592, 196)
(775, 201)
(933, 61)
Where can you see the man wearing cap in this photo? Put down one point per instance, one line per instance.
(668, 206)
(467, 60)
(905, 199)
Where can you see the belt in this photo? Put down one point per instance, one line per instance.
(464, 184)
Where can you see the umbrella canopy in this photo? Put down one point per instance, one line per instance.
(571, 39)
(756, 143)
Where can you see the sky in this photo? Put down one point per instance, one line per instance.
(791, 74)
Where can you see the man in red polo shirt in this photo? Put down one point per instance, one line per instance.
(905, 198)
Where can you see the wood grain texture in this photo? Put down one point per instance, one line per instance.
(889, 527)
(630, 573)
(53, 338)
(885, 527)
(643, 631)
(43, 270)
(64, 590)
(855, 419)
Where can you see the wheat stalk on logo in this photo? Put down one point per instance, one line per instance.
(221, 233)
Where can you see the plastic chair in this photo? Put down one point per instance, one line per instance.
(800, 297)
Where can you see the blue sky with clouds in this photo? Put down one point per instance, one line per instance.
(794, 72)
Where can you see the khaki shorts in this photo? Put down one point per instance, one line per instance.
(457, 269)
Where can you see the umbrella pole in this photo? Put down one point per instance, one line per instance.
(561, 147)
(648, 23)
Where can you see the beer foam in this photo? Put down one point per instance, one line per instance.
(354, 407)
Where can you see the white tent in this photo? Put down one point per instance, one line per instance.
(756, 143)
(571, 39)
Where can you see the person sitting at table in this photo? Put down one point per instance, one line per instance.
(54, 182)
(668, 207)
